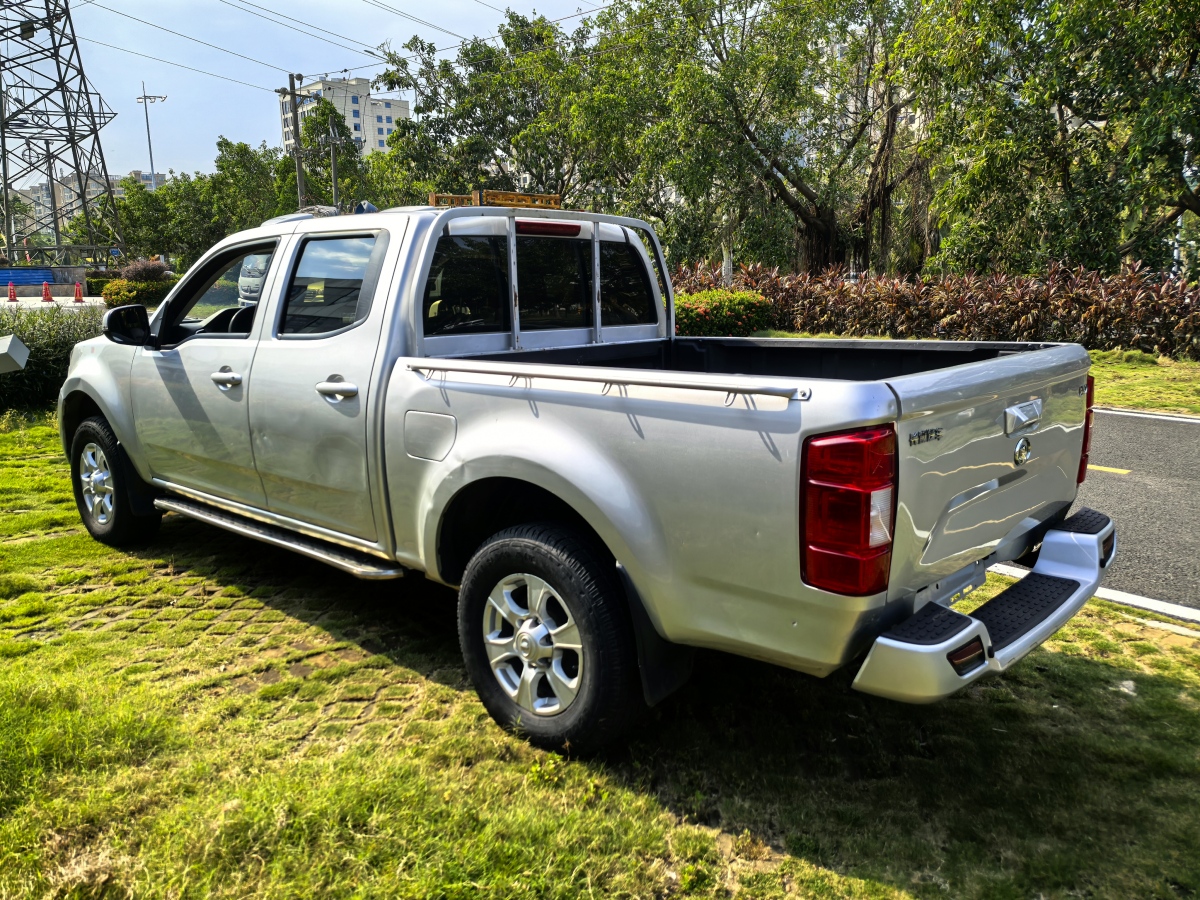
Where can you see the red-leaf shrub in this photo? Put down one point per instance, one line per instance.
(1135, 310)
(722, 313)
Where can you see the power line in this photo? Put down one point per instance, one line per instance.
(168, 62)
(244, 3)
(187, 37)
(399, 12)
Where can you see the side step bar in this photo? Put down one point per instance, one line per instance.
(937, 651)
(357, 564)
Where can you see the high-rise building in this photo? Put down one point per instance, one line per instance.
(370, 119)
(138, 175)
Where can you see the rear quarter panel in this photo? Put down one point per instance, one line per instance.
(697, 499)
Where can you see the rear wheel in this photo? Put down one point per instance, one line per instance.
(102, 484)
(546, 637)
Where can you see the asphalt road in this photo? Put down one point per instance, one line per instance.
(1156, 505)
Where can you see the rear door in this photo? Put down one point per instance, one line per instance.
(310, 407)
(987, 451)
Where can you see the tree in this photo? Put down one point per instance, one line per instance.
(497, 117)
(1063, 130)
(144, 217)
(245, 192)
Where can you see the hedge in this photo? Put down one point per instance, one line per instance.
(1135, 310)
(49, 334)
(120, 292)
(722, 313)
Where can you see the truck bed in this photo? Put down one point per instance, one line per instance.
(848, 360)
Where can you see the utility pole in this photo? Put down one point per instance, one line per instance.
(146, 100)
(333, 145)
(300, 191)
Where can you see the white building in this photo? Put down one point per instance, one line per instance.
(370, 119)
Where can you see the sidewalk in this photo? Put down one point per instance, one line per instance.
(39, 303)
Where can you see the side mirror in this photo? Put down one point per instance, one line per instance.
(127, 325)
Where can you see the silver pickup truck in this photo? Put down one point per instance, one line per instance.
(495, 397)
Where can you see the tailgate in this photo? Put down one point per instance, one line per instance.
(963, 491)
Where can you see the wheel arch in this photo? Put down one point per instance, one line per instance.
(74, 408)
(488, 505)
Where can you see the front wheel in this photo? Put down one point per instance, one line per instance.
(547, 641)
(102, 486)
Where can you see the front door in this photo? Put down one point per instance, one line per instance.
(312, 381)
(190, 392)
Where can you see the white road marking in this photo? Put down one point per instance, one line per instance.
(1174, 610)
(1195, 420)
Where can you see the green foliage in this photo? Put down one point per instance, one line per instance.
(50, 334)
(1135, 310)
(1063, 132)
(321, 126)
(722, 313)
(190, 212)
(502, 110)
(119, 292)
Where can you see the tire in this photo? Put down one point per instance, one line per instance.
(102, 483)
(538, 593)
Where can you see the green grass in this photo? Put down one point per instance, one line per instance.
(1137, 380)
(211, 718)
(1129, 379)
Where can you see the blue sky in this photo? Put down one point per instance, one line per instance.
(199, 108)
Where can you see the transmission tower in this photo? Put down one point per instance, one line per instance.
(50, 121)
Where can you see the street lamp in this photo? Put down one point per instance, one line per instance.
(147, 99)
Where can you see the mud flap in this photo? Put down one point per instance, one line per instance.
(665, 667)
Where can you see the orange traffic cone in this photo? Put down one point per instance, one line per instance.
(78, 292)
(12, 293)
(46, 298)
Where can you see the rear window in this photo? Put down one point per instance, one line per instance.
(467, 289)
(626, 297)
(554, 278)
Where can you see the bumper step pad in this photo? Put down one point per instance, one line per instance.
(931, 624)
(911, 662)
(1086, 521)
(1012, 614)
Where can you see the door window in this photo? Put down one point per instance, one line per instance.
(326, 291)
(467, 288)
(222, 298)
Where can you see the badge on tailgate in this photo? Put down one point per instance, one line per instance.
(1023, 417)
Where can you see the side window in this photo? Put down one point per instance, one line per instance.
(554, 277)
(325, 293)
(467, 288)
(626, 297)
(221, 299)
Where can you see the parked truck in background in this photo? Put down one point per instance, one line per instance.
(495, 397)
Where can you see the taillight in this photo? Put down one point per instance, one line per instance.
(848, 484)
(1087, 430)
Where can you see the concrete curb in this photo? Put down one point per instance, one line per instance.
(1173, 610)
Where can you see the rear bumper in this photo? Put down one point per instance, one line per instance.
(911, 661)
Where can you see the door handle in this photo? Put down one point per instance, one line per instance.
(337, 389)
(226, 379)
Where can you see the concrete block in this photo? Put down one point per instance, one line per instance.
(13, 354)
